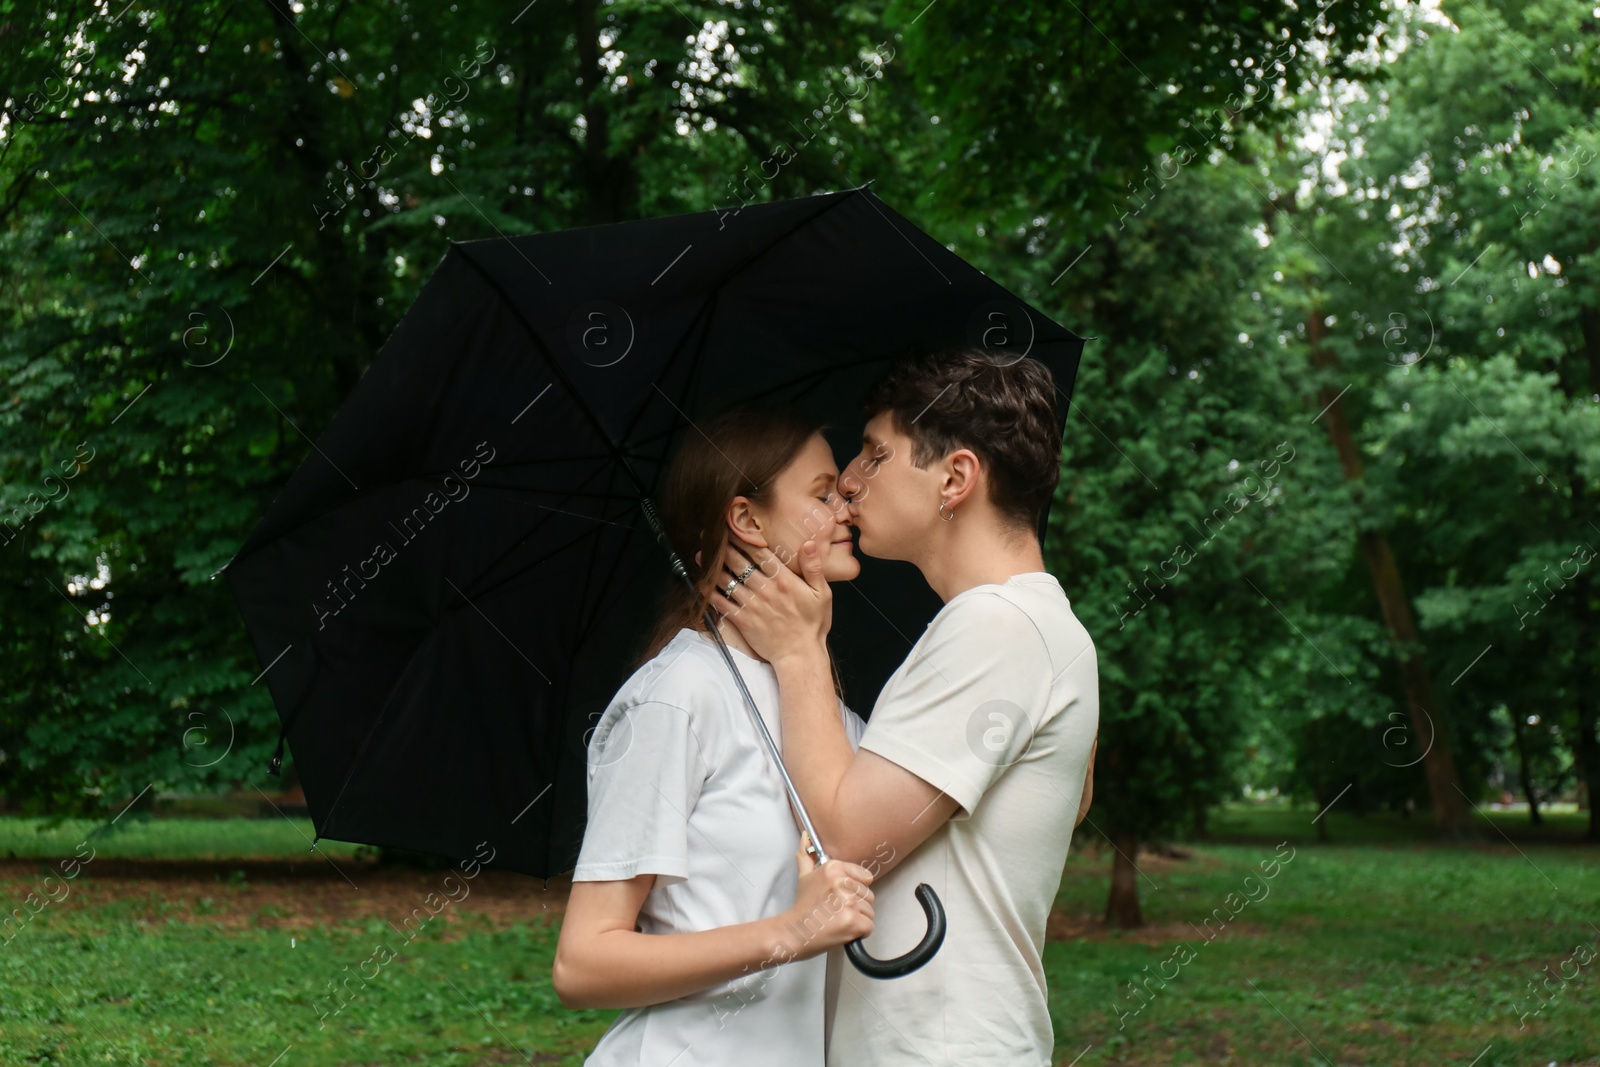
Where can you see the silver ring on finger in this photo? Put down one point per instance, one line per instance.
(728, 592)
(744, 575)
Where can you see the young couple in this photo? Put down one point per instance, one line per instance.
(693, 902)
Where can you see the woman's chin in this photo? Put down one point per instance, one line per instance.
(843, 567)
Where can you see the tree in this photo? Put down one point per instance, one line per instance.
(1087, 176)
(1183, 521)
(212, 216)
(1472, 295)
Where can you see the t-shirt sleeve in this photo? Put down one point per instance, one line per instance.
(967, 702)
(646, 769)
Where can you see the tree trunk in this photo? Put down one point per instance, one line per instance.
(1319, 794)
(1585, 749)
(1586, 685)
(340, 281)
(1452, 815)
(1200, 817)
(1522, 764)
(1122, 907)
(612, 182)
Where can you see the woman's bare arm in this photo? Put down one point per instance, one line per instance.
(1088, 785)
(603, 961)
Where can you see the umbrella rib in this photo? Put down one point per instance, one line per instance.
(496, 466)
(534, 529)
(532, 564)
(779, 388)
(485, 485)
(577, 398)
(372, 730)
(586, 624)
(555, 369)
(373, 489)
(743, 264)
(702, 321)
(560, 374)
(288, 721)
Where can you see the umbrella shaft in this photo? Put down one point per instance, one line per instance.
(766, 737)
(648, 507)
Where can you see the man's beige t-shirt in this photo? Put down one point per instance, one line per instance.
(997, 705)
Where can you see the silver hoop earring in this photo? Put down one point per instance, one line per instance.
(946, 515)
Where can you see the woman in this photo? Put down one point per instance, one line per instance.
(693, 902)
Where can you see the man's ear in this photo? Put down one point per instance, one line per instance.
(962, 474)
(742, 523)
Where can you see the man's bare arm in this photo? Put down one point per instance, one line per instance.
(865, 807)
(862, 804)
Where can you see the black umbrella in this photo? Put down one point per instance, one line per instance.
(445, 595)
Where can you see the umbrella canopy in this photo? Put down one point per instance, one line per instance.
(448, 592)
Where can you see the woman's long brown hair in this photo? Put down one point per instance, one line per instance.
(740, 452)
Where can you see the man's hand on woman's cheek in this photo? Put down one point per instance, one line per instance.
(779, 612)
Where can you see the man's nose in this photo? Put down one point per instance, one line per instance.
(850, 484)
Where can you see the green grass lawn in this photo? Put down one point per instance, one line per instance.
(1349, 955)
(1283, 822)
(177, 839)
(1387, 952)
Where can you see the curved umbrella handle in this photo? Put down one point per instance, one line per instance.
(904, 965)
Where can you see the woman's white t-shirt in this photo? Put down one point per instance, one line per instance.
(682, 787)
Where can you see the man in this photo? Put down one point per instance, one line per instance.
(977, 751)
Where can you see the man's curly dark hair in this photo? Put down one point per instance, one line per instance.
(1000, 406)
